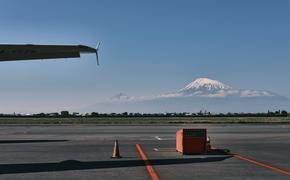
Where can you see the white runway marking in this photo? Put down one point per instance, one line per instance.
(164, 138)
(158, 138)
(164, 149)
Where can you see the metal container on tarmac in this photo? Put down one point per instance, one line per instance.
(191, 141)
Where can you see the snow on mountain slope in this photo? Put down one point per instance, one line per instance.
(204, 87)
(201, 87)
(205, 84)
(201, 93)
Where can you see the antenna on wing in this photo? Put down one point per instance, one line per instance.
(97, 53)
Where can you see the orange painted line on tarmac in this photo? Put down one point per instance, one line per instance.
(151, 171)
(277, 169)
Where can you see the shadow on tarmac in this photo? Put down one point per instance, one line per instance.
(28, 141)
(78, 165)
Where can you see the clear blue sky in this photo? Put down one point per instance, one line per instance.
(149, 47)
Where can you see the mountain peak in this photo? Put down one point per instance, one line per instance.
(205, 84)
(200, 93)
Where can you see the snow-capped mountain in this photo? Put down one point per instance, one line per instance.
(201, 84)
(205, 87)
(201, 93)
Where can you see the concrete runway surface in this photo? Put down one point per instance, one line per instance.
(82, 152)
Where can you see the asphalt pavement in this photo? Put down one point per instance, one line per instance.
(43, 152)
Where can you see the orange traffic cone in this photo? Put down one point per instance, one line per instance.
(116, 152)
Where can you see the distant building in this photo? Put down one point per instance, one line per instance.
(64, 113)
(75, 113)
(53, 114)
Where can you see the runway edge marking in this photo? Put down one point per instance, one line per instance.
(250, 160)
(151, 171)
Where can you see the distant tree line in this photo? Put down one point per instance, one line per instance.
(279, 113)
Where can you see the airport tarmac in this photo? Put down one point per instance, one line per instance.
(82, 152)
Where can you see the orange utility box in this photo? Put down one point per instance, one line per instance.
(191, 141)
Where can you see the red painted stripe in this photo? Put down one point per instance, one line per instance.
(149, 167)
(277, 169)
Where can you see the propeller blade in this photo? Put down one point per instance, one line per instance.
(97, 53)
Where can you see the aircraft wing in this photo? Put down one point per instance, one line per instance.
(13, 52)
